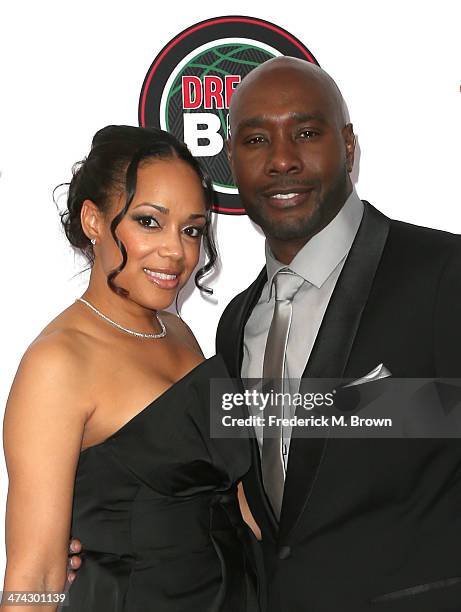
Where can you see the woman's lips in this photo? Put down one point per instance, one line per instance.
(164, 280)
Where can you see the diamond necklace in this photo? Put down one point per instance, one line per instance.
(161, 334)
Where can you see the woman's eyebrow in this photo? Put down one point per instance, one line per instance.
(158, 207)
(166, 211)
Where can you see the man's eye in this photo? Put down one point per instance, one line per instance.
(194, 231)
(255, 140)
(147, 221)
(308, 134)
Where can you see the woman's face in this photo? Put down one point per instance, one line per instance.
(161, 231)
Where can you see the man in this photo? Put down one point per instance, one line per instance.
(347, 525)
(364, 524)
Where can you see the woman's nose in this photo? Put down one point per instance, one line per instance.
(172, 246)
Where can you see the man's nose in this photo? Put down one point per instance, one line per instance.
(172, 246)
(283, 158)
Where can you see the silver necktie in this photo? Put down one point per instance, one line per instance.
(286, 284)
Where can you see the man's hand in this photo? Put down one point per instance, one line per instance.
(75, 547)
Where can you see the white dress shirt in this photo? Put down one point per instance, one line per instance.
(319, 263)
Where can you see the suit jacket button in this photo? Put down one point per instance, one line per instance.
(284, 552)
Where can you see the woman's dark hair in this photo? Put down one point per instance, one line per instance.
(111, 167)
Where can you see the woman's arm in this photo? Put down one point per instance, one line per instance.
(246, 513)
(43, 429)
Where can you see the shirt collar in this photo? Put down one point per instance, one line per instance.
(324, 251)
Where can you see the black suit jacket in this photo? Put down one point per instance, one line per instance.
(369, 524)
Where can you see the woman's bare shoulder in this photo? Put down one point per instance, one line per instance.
(181, 330)
(58, 354)
(49, 392)
(59, 344)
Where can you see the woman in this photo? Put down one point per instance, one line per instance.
(107, 424)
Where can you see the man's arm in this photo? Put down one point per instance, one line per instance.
(447, 317)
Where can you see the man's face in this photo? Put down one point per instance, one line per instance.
(290, 154)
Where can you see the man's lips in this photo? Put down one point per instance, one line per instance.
(287, 197)
(165, 279)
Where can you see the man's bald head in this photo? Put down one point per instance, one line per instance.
(291, 151)
(276, 75)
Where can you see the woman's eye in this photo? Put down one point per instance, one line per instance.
(148, 221)
(193, 231)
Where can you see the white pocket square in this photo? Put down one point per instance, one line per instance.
(376, 374)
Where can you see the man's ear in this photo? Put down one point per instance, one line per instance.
(228, 145)
(349, 141)
(91, 220)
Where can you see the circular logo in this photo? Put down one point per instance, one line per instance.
(189, 86)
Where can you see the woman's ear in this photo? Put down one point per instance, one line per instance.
(90, 217)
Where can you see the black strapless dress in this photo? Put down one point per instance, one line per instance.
(155, 507)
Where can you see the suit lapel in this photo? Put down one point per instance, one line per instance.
(235, 357)
(331, 352)
(232, 350)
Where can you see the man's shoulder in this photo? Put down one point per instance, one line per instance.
(236, 308)
(424, 235)
(424, 244)
(241, 297)
(416, 241)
